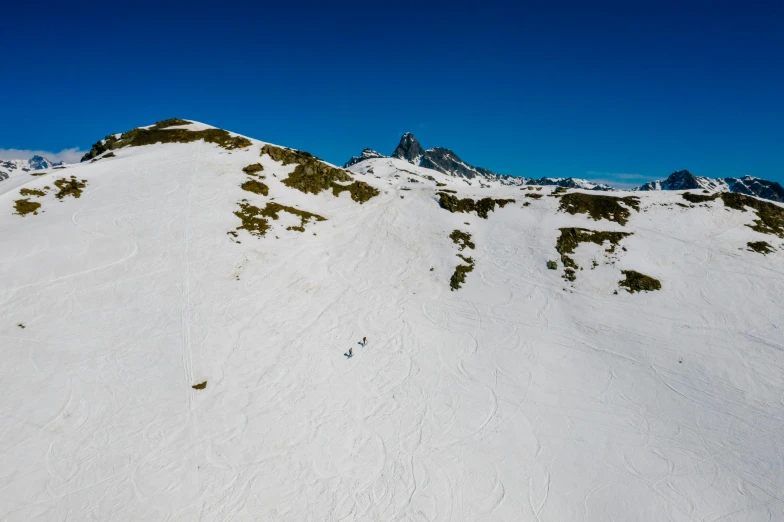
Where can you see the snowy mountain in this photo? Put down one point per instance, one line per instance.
(9, 167)
(14, 167)
(176, 309)
(570, 183)
(749, 185)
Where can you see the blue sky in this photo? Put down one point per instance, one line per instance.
(624, 91)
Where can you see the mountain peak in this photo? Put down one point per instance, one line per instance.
(409, 149)
(366, 154)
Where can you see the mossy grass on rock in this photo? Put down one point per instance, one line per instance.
(637, 282)
(253, 170)
(255, 220)
(313, 176)
(698, 198)
(462, 239)
(532, 195)
(552, 265)
(571, 238)
(359, 190)
(459, 275)
(762, 247)
(32, 192)
(161, 133)
(70, 187)
(200, 386)
(482, 207)
(25, 206)
(599, 207)
(108, 155)
(171, 122)
(257, 187)
(770, 217)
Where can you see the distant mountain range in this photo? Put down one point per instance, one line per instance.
(9, 167)
(448, 162)
(749, 185)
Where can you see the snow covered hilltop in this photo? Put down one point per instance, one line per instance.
(177, 307)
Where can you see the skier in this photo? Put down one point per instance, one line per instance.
(351, 352)
(364, 341)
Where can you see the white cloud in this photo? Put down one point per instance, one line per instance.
(624, 180)
(67, 155)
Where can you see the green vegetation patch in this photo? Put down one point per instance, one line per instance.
(252, 220)
(257, 187)
(25, 206)
(599, 207)
(255, 220)
(288, 156)
(462, 239)
(359, 190)
(440, 184)
(481, 207)
(761, 247)
(171, 122)
(552, 265)
(70, 187)
(160, 133)
(200, 386)
(532, 195)
(36, 173)
(698, 198)
(459, 275)
(571, 238)
(253, 170)
(313, 176)
(770, 217)
(32, 192)
(637, 282)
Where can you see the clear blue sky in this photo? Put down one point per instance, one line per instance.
(586, 89)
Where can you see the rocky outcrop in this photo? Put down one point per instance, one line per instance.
(409, 149)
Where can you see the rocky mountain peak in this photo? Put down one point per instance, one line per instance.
(683, 179)
(366, 154)
(409, 149)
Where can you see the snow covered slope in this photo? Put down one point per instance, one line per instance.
(519, 396)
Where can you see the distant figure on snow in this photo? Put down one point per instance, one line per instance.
(364, 341)
(351, 352)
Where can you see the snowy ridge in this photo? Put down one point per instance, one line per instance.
(520, 396)
(571, 183)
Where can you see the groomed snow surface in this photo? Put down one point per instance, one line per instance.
(519, 397)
